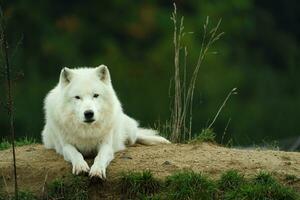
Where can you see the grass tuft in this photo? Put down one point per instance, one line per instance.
(291, 179)
(206, 135)
(263, 187)
(71, 188)
(190, 185)
(5, 144)
(179, 186)
(231, 180)
(183, 84)
(264, 178)
(22, 195)
(262, 192)
(138, 185)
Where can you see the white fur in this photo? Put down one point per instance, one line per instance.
(67, 133)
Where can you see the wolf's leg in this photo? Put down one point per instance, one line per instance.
(104, 157)
(71, 154)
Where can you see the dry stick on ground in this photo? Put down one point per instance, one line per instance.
(6, 187)
(44, 185)
(10, 105)
(183, 94)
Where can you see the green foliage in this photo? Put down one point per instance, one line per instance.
(135, 184)
(262, 187)
(259, 191)
(264, 178)
(190, 185)
(22, 195)
(259, 55)
(179, 186)
(26, 195)
(206, 135)
(69, 188)
(194, 186)
(231, 180)
(5, 144)
(290, 178)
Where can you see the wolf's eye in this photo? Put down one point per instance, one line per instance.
(96, 95)
(77, 97)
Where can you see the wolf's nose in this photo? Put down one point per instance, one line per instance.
(88, 114)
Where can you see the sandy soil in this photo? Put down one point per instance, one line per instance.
(36, 165)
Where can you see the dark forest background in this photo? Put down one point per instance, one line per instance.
(259, 54)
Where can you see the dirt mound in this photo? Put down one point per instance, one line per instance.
(36, 166)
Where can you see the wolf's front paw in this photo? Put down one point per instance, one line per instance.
(80, 167)
(98, 171)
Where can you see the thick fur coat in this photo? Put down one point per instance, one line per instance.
(84, 116)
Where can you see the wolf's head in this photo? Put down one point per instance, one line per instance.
(87, 94)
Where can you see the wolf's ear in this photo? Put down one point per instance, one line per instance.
(103, 73)
(65, 76)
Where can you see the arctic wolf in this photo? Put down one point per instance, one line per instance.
(84, 116)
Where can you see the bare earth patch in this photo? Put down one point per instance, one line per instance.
(37, 166)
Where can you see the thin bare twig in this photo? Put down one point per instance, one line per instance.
(44, 185)
(233, 91)
(6, 187)
(10, 105)
(225, 130)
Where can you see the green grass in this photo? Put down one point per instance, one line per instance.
(180, 186)
(230, 180)
(5, 144)
(193, 186)
(262, 187)
(69, 188)
(190, 185)
(206, 135)
(264, 178)
(290, 178)
(138, 185)
(22, 195)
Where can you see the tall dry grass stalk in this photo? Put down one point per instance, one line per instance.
(233, 91)
(184, 86)
(10, 105)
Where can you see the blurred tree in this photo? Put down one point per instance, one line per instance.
(258, 55)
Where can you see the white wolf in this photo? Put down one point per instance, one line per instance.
(84, 115)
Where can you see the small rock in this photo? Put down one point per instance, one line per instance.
(126, 157)
(167, 163)
(30, 149)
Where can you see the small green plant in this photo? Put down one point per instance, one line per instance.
(273, 145)
(206, 135)
(69, 188)
(264, 178)
(139, 185)
(290, 178)
(231, 180)
(262, 186)
(22, 195)
(183, 84)
(261, 191)
(5, 144)
(25, 195)
(190, 185)
(25, 141)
